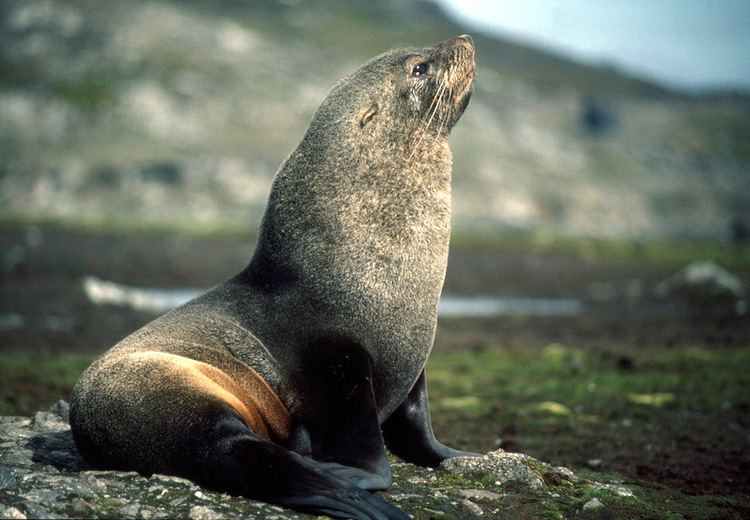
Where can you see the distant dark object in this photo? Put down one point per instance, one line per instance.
(597, 118)
(107, 176)
(739, 232)
(708, 291)
(164, 173)
(625, 363)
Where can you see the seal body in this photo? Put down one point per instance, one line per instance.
(298, 362)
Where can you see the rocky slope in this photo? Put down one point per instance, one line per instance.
(160, 112)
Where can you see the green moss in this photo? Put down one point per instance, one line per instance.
(31, 383)
(667, 252)
(670, 400)
(90, 92)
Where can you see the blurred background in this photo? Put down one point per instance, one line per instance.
(600, 256)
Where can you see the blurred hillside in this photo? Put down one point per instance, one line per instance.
(151, 113)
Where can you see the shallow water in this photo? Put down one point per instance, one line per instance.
(452, 306)
(155, 299)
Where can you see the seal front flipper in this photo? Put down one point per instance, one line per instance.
(408, 431)
(337, 423)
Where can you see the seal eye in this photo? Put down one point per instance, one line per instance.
(420, 69)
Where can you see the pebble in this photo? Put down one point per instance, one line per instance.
(203, 513)
(594, 503)
(472, 507)
(479, 494)
(10, 512)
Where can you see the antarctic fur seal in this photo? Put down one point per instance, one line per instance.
(284, 383)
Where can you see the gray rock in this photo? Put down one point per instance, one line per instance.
(479, 494)
(8, 477)
(594, 503)
(620, 491)
(10, 512)
(203, 513)
(564, 473)
(473, 508)
(129, 511)
(503, 466)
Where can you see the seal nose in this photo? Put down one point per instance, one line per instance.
(465, 41)
(467, 38)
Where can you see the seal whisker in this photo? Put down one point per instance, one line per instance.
(437, 101)
(447, 115)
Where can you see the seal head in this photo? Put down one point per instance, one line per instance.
(404, 91)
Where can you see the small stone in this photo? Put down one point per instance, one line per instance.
(203, 513)
(62, 409)
(404, 496)
(130, 511)
(472, 507)
(36, 511)
(8, 478)
(594, 503)
(46, 497)
(564, 473)
(621, 491)
(594, 463)
(21, 458)
(479, 494)
(10, 512)
(169, 479)
(80, 508)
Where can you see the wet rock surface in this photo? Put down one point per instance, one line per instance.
(42, 476)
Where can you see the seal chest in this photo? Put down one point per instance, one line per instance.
(360, 212)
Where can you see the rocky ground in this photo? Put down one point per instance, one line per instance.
(42, 476)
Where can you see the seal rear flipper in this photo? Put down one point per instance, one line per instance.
(239, 462)
(161, 413)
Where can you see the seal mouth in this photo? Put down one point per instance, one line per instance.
(452, 86)
(458, 76)
(464, 66)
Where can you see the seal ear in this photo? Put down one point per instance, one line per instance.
(369, 114)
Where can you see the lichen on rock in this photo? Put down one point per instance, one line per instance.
(500, 465)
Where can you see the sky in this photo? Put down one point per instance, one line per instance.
(688, 44)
